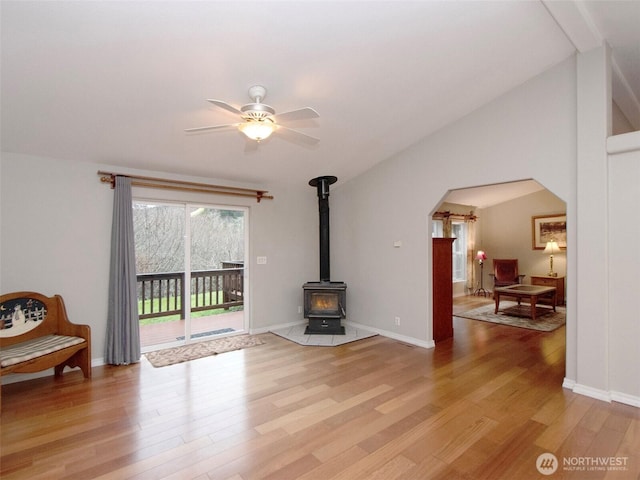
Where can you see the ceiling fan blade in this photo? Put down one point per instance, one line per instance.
(225, 105)
(299, 114)
(213, 127)
(296, 136)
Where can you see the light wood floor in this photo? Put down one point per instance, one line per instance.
(484, 405)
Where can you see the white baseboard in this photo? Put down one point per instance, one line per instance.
(626, 399)
(599, 394)
(596, 393)
(395, 336)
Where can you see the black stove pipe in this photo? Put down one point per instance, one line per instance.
(322, 185)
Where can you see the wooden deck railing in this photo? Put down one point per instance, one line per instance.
(162, 294)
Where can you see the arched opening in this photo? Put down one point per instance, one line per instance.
(512, 220)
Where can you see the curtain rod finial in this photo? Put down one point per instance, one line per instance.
(110, 179)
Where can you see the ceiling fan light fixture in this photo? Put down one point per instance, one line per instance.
(257, 129)
(259, 120)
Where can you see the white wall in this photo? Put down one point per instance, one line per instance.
(506, 233)
(56, 231)
(593, 112)
(624, 266)
(55, 236)
(527, 133)
(620, 123)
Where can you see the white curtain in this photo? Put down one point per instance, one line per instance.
(471, 255)
(123, 329)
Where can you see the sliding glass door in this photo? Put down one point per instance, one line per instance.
(190, 266)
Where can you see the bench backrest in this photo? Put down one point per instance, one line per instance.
(27, 315)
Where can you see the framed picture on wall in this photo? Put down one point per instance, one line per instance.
(545, 228)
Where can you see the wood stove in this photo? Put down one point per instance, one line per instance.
(325, 302)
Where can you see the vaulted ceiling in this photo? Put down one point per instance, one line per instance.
(118, 82)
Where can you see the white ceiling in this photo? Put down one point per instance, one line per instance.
(117, 82)
(489, 195)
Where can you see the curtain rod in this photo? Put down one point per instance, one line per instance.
(457, 216)
(153, 182)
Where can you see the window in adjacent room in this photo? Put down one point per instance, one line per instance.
(459, 231)
(437, 229)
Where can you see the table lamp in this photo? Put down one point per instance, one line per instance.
(551, 248)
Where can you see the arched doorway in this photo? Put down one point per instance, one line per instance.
(500, 220)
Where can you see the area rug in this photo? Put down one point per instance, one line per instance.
(515, 315)
(184, 353)
(296, 334)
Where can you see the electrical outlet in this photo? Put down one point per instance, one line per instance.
(397, 320)
(299, 308)
(261, 260)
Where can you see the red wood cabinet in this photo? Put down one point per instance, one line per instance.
(442, 288)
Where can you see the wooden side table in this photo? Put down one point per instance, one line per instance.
(547, 281)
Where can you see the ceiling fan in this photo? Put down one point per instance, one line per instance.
(260, 120)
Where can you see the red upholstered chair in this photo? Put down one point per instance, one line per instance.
(505, 273)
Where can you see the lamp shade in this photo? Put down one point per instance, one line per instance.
(552, 247)
(257, 129)
(481, 255)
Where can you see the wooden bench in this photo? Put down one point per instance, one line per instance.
(36, 334)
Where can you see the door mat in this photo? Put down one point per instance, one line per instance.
(515, 315)
(208, 334)
(192, 351)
